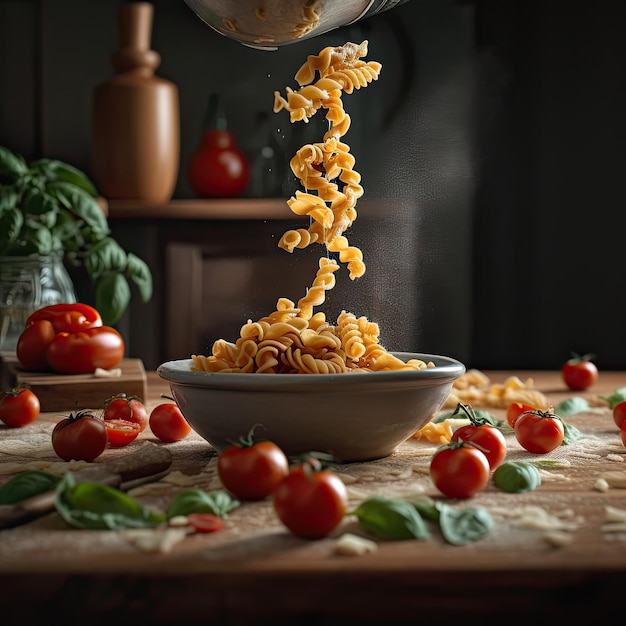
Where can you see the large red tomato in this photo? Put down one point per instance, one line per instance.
(67, 318)
(69, 339)
(85, 351)
(32, 344)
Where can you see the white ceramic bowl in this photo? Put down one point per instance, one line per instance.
(355, 417)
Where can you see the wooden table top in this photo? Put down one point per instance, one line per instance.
(255, 571)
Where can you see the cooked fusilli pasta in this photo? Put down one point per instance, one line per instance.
(295, 339)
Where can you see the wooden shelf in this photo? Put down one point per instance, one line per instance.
(196, 209)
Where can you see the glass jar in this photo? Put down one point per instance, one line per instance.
(27, 284)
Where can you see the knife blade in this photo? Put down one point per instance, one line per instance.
(148, 463)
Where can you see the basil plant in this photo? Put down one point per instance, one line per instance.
(48, 207)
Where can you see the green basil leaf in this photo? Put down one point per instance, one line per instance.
(516, 477)
(571, 406)
(112, 296)
(64, 172)
(12, 164)
(101, 507)
(619, 395)
(81, 203)
(570, 434)
(217, 502)
(139, 272)
(391, 519)
(27, 484)
(464, 525)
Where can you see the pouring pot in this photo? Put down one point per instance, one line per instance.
(277, 23)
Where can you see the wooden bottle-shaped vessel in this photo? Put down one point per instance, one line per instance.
(136, 119)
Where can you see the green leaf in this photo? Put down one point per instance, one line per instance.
(464, 525)
(38, 202)
(8, 198)
(112, 296)
(66, 173)
(391, 519)
(27, 484)
(217, 502)
(12, 164)
(11, 222)
(111, 255)
(38, 236)
(516, 477)
(571, 406)
(619, 395)
(139, 272)
(50, 206)
(570, 434)
(81, 204)
(100, 507)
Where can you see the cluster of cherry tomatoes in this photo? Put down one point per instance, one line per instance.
(84, 435)
(309, 499)
(463, 467)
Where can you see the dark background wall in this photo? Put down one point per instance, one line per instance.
(493, 151)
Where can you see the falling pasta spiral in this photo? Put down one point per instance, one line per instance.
(294, 339)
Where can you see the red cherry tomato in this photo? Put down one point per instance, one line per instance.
(459, 470)
(483, 434)
(121, 432)
(619, 414)
(84, 351)
(19, 406)
(250, 469)
(127, 408)
(515, 409)
(310, 501)
(579, 373)
(168, 423)
(80, 437)
(539, 431)
(205, 522)
(487, 438)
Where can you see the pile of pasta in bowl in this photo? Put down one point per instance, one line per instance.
(313, 384)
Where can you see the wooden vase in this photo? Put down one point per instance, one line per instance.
(136, 119)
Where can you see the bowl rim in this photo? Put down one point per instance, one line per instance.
(178, 372)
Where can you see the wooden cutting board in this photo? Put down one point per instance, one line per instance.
(70, 392)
